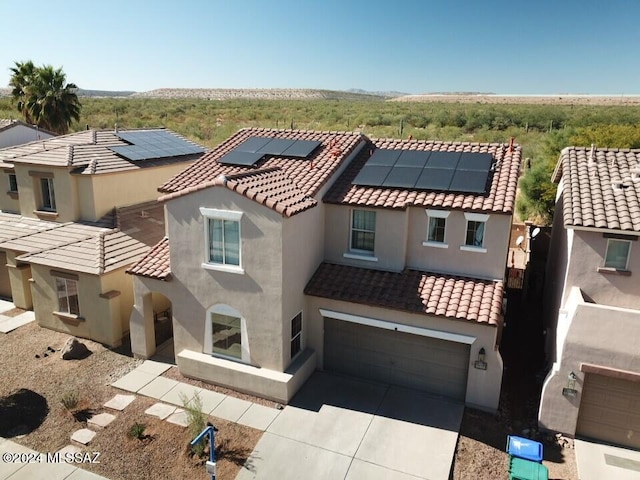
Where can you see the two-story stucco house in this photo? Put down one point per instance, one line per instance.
(593, 298)
(290, 251)
(15, 132)
(75, 212)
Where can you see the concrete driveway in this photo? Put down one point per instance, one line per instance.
(343, 428)
(597, 461)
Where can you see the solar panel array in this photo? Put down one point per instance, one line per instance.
(151, 144)
(254, 148)
(465, 172)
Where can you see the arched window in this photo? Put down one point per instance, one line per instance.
(225, 333)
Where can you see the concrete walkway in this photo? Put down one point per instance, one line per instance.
(338, 427)
(597, 461)
(7, 323)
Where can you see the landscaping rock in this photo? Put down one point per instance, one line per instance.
(74, 350)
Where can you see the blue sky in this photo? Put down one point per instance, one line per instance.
(509, 47)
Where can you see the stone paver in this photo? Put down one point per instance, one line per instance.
(179, 417)
(160, 410)
(133, 381)
(231, 409)
(210, 400)
(158, 387)
(101, 420)
(70, 449)
(83, 436)
(259, 416)
(154, 368)
(120, 402)
(180, 391)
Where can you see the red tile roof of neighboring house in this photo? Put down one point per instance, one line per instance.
(499, 199)
(155, 264)
(85, 152)
(411, 291)
(273, 179)
(589, 196)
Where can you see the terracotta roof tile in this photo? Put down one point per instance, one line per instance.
(412, 291)
(155, 264)
(87, 151)
(500, 197)
(277, 178)
(589, 195)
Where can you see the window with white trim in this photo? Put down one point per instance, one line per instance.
(617, 256)
(296, 334)
(363, 231)
(48, 195)
(13, 183)
(436, 228)
(67, 291)
(225, 333)
(222, 239)
(475, 231)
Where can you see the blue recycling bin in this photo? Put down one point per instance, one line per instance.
(524, 448)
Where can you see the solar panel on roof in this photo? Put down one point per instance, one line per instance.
(372, 175)
(237, 157)
(384, 157)
(443, 160)
(435, 179)
(301, 148)
(469, 181)
(276, 146)
(402, 177)
(253, 144)
(412, 158)
(475, 161)
(151, 144)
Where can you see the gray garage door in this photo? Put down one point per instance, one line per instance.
(433, 365)
(610, 410)
(5, 286)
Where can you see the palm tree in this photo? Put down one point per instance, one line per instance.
(43, 98)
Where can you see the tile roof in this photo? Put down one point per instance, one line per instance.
(85, 152)
(95, 255)
(279, 182)
(155, 264)
(412, 291)
(589, 196)
(500, 198)
(61, 234)
(142, 221)
(14, 226)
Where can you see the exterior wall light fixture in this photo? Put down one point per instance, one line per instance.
(570, 389)
(481, 364)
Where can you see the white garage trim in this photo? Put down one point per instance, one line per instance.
(399, 327)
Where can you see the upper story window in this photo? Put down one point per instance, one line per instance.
(13, 183)
(436, 228)
(67, 290)
(363, 231)
(296, 334)
(617, 256)
(474, 239)
(222, 240)
(48, 195)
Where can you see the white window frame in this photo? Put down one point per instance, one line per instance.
(298, 335)
(475, 217)
(15, 181)
(215, 214)
(357, 253)
(626, 266)
(223, 309)
(50, 198)
(66, 282)
(436, 214)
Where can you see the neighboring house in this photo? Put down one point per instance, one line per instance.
(282, 258)
(593, 332)
(79, 210)
(15, 132)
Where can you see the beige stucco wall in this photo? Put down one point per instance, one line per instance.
(100, 193)
(19, 275)
(141, 326)
(64, 186)
(101, 315)
(483, 386)
(5, 283)
(599, 335)
(8, 202)
(119, 281)
(390, 239)
(256, 294)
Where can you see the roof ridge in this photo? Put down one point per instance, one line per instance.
(250, 173)
(70, 156)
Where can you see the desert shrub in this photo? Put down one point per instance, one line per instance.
(70, 399)
(137, 430)
(197, 421)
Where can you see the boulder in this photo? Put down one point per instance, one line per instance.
(74, 350)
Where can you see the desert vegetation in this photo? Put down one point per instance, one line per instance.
(542, 129)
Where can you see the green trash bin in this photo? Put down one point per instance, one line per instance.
(521, 469)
